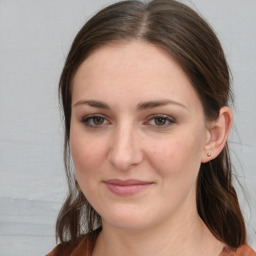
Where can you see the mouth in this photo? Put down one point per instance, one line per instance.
(127, 187)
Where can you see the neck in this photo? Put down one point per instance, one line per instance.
(183, 236)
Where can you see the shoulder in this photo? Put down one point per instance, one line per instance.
(81, 246)
(244, 250)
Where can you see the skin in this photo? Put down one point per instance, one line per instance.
(162, 143)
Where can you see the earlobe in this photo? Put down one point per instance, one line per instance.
(217, 134)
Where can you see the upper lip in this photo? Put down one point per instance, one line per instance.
(119, 182)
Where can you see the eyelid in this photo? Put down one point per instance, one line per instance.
(87, 118)
(161, 115)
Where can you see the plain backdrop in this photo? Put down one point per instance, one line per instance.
(35, 36)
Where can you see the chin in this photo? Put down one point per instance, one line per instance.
(131, 224)
(131, 219)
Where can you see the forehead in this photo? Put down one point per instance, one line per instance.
(130, 54)
(135, 68)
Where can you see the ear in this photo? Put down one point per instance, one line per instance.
(217, 134)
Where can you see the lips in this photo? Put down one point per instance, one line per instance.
(126, 187)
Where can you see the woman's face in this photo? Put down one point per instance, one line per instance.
(137, 135)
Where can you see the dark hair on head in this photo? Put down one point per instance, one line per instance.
(190, 40)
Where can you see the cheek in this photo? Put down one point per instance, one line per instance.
(88, 154)
(178, 157)
(88, 158)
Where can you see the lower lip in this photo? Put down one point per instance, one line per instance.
(128, 189)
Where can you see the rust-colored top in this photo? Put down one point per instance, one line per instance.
(244, 250)
(80, 248)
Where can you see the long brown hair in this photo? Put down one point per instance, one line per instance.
(190, 40)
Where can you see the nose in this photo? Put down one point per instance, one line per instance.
(125, 151)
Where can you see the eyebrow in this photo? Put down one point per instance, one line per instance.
(158, 103)
(141, 106)
(92, 103)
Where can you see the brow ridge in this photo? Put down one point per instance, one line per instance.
(92, 103)
(158, 103)
(141, 106)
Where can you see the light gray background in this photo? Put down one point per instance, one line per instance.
(34, 39)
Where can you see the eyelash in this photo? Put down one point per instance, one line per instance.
(164, 117)
(89, 119)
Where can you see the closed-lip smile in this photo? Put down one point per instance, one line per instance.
(126, 187)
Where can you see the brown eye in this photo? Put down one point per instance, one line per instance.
(98, 120)
(160, 121)
(95, 121)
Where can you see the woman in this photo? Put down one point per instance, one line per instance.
(145, 92)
